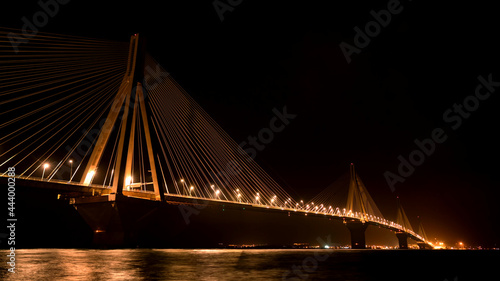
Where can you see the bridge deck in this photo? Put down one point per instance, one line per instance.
(81, 194)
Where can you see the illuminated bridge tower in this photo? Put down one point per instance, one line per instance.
(128, 98)
(422, 244)
(115, 218)
(362, 208)
(402, 220)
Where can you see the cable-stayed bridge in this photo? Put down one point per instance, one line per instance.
(107, 127)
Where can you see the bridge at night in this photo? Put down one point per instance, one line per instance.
(102, 124)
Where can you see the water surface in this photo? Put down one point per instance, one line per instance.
(160, 264)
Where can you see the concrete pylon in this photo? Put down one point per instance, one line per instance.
(403, 239)
(357, 229)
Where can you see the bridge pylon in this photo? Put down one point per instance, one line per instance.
(360, 202)
(357, 229)
(117, 218)
(402, 239)
(122, 98)
(128, 107)
(422, 244)
(404, 222)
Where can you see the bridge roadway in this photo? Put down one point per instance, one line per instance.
(81, 194)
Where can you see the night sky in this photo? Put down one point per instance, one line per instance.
(267, 55)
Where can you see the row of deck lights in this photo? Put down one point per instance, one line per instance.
(317, 209)
(307, 208)
(217, 194)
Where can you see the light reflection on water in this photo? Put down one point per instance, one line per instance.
(143, 264)
(159, 264)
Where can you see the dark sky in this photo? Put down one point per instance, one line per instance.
(267, 55)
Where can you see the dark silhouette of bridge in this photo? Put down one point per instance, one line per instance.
(129, 137)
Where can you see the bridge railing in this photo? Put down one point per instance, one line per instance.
(57, 181)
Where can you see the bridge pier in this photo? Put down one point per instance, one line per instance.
(115, 220)
(403, 239)
(357, 229)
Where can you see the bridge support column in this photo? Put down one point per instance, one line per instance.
(403, 240)
(117, 223)
(357, 229)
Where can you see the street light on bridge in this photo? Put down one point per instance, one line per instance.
(287, 201)
(45, 166)
(238, 194)
(71, 169)
(213, 188)
(183, 184)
